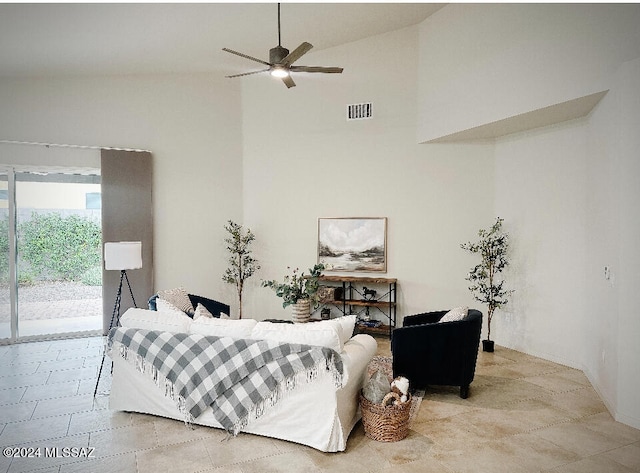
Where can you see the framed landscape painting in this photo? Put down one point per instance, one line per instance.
(353, 244)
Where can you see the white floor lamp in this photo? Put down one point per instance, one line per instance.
(120, 256)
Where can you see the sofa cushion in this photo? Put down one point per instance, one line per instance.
(454, 315)
(179, 298)
(223, 327)
(312, 333)
(166, 321)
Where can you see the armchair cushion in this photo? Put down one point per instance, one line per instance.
(431, 353)
(454, 315)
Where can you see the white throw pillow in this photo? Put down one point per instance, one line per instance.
(168, 308)
(179, 298)
(201, 311)
(223, 327)
(347, 323)
(173, 321)
(454, 315)
(343, 325)
(311, 333)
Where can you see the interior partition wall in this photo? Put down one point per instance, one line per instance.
(127, 215)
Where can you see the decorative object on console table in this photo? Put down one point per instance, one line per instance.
(369, 294)
(486, 285)
(353, 244)
(297, 288)
(122, 256)
(353, 300)
(301, 311)
(243, 265)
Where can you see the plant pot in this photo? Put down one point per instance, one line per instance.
(301, 311)
(487, 345)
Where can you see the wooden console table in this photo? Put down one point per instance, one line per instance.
(353, 299)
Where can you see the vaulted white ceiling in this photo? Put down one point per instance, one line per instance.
(121, 38)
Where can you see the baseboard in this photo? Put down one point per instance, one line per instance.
(609, 404)
(611, 407)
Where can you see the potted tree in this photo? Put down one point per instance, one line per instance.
(299, 291)
(242, 264)
(486, 284)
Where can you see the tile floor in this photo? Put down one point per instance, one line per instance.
(524, 414)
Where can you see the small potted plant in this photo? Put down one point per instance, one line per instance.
(486, 284)
(299, 291)
(242, 264)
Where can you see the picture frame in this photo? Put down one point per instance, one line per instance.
(355, 244)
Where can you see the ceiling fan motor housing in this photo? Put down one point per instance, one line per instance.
(277, 54)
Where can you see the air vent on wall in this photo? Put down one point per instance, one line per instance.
(359, 111)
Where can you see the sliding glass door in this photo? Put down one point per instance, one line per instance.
(57, 236)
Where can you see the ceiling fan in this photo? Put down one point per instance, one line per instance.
(281, 61)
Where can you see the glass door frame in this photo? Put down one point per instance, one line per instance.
(13, 270)
(13, 254)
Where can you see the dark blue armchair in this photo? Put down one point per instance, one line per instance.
(431, 353)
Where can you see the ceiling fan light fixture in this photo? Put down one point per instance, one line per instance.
(279, 72)
(281, 61)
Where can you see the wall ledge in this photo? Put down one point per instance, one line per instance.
(541, 117)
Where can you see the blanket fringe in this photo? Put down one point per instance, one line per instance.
(150, 371)
(286, 386)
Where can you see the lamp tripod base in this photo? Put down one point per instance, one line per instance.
(115, 317)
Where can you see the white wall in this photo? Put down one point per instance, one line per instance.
(541, 192)
(191, 124)
(303, 160)
(628, 272)
(615, 174)
(480, 63)
(568, 192)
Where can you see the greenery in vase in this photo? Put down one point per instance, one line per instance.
(297, 286)
(486, 285)
(242, 264)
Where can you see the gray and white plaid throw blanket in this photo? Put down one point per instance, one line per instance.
(238, 378)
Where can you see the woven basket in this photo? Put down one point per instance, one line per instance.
(385, 423)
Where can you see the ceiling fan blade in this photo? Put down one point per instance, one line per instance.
(297, 53)
(326, 70)
(288, 81)
(246, 56)
(247, 73)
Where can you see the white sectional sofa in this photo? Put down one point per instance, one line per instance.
(319, 414)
